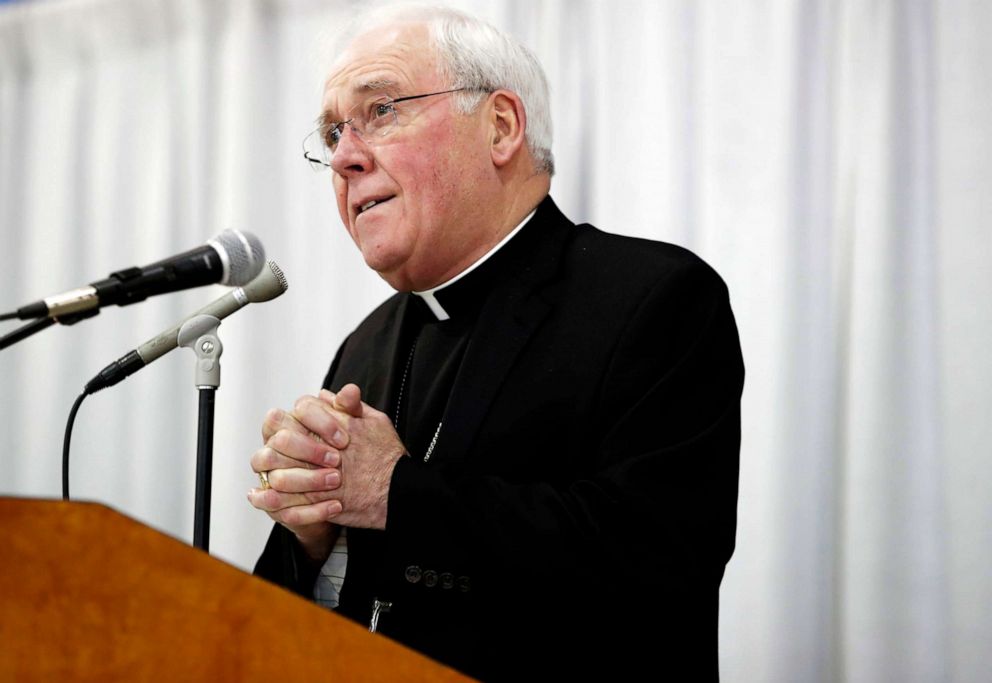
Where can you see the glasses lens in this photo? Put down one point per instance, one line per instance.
(380, 118)
(316, 152)
(374, 118)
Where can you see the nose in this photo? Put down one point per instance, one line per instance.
(352, 155)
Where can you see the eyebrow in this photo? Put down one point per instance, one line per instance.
(326, 119)
(374, 85)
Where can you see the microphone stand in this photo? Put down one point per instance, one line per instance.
(200, 334)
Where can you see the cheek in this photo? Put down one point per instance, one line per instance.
(341, 195)
(442, 183)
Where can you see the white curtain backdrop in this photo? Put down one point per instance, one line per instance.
(831, 158)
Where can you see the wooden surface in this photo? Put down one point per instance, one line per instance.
(89, 594)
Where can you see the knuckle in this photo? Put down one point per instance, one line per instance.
(321, 423)
(271, 499)
(282, 480)
(258, 459)
(302, 403)
(290, 517)
(269, 459)
(280, 440)
(315, 480)
(273, 418)
(258, 501)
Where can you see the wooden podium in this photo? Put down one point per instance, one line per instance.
(89, 594)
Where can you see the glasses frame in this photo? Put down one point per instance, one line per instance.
(320, 164)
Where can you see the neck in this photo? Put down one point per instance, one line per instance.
(520, 199)
(508, 206)
(512, 204)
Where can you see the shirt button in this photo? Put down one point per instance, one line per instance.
(447, 580)
(430, 578)
(413, 573)
(464, 584)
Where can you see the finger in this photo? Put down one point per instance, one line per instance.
(300, 480)
(304, 448)
(266, 459)
(270, 500)
(348, 400)
(308, 514)
(320, 418)
(277, 419)
(305, 515)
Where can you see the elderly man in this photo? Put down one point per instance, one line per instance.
(523, 464)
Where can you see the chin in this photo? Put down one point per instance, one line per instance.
(397, 280)
(387, 268)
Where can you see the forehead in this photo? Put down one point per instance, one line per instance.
(397, 58)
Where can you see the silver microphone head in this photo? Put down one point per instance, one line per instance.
(269, 284)
(242, 254)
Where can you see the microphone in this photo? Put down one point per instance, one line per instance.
(269, 284)
(231, 258)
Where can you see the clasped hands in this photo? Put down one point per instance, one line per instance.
(329, 462)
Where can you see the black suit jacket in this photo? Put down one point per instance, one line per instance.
(580, 504)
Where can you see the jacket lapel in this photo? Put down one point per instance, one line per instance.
(391, 344)
(512, 313)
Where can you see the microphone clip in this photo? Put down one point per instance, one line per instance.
(200, 334)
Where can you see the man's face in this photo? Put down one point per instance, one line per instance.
(424, 175)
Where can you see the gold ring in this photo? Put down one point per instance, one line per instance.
(264, 478)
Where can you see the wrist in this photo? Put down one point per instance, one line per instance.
(318, 543)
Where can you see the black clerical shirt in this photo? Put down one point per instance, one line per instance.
(436, 335)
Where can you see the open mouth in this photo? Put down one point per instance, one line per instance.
(372, 203)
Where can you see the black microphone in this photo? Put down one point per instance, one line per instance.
(231, 258)
(269, 284)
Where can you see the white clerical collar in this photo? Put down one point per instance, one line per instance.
(428, 294)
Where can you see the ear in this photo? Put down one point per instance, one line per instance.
(508, 126)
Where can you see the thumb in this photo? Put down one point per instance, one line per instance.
(347, 400)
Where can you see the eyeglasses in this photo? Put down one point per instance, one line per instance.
(375, 118)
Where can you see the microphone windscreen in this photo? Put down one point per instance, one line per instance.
(269, 284)
(245, 256)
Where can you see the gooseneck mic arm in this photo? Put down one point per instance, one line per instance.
(269, 284)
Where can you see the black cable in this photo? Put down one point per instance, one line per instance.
(65, 444)
(40, 324)
(8, 316)
(25, 331)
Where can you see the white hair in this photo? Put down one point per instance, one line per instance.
(476, 55)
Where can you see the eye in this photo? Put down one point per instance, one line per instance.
(381, 109)
(333, 135)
